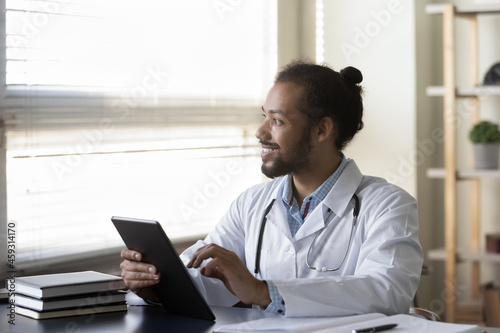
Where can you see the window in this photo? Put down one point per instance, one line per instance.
(136, 108)
(191, 49)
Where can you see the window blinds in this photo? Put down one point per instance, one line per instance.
(137, 108)
(191, 49)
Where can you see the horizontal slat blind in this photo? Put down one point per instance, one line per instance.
(179, 49)
(62, 202)
(136, 108)
(56, 118)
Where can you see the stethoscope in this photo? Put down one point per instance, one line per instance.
(355, 213)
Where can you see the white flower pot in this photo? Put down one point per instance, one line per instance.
(486, 155)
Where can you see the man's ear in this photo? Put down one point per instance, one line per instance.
(325, 130)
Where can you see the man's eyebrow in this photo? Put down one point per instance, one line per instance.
(276, 112)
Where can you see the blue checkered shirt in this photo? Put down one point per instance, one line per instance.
(296, 217)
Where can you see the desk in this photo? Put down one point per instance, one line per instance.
(137, 319)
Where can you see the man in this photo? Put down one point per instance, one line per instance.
(320, 239)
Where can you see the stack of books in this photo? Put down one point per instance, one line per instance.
(68, 294)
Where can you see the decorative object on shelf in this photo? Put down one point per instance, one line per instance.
(491, 295)
(485, 136)
(493, 243)
(492, 76)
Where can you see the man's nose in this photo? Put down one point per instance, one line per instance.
(262, 132)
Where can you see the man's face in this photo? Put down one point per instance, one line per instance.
(285, 134)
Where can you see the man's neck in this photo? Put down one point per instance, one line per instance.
(306, 182)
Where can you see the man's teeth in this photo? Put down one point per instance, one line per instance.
(267, 150)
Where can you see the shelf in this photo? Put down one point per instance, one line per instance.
(465, 9)
(464, 174)
(449, 92)
(493, 90)
(440, 254)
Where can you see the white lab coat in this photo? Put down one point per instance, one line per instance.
(380, 274)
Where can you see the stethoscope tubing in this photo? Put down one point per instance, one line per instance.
(355, 213)
(261, 236)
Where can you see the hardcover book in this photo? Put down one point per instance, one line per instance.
(64, 284)
(108, 297)
(4, 295)
(70, 312)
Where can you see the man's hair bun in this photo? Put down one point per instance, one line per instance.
(351, 75)
(328, 93)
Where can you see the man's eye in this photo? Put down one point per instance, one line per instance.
(277, 121)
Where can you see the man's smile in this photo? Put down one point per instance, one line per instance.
(268, 148)
(266, 152)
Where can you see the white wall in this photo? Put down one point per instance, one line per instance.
(429, 119)
(377, 37)
(391, 42)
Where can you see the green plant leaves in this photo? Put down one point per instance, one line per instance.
(485, 132)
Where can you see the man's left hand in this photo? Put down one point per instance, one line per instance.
(227, 267)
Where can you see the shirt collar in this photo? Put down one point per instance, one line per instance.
(321, 192)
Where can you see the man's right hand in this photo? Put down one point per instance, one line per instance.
(139, 276)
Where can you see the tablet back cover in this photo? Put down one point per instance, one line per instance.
(176, 289)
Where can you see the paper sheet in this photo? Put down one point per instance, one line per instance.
(294, 325)
(407, 323)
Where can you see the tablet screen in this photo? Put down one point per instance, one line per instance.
(176, 290)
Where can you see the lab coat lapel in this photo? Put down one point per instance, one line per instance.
(337, 200)
(314, 222)
(341, 194)
(277, 216)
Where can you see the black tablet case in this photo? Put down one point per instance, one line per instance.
(176, 289)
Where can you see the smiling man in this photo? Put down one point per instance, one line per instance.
(320, 239)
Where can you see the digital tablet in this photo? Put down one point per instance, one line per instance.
(176, 290)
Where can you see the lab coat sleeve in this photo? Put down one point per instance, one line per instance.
(386, 275)
(228, 234)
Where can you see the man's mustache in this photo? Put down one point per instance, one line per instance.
(269, 144)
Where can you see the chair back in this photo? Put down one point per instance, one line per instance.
(429, 315)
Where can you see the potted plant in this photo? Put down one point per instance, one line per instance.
(485, 136)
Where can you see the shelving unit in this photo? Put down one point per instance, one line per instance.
(465, 91)
(463, 256)
(451, 175)
(464, 174)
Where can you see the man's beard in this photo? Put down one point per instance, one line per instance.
(298, 158)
